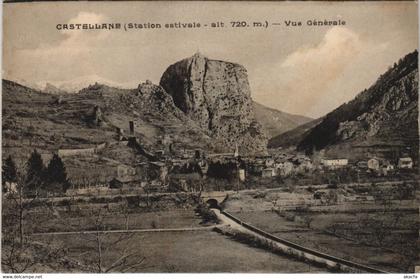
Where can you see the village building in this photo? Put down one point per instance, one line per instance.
(187, 154)
(405, 163)
(10, 187)
(155, 186)
(236, 153)
(302, 164)
(204, 166)
(120, 134)
(284, 168)
(76, 152)
(125, 172)
(373, 164)
(335, 163)
(241, 175)
(268, 172)
(387, 165)
(166, 140)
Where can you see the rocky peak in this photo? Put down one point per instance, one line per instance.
(147, 88)
(216, 95)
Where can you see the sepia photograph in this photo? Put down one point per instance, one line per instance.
(210, 137)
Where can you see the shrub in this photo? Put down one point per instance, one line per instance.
(290, 216)
(153, 224)
(332, 186)
(208, 215)
(259, 195)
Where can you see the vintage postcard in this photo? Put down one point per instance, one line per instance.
(210, 137)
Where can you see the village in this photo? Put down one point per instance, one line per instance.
(165, 168)
(166, 165)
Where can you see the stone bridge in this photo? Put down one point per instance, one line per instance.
(215, 198)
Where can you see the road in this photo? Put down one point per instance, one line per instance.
(293, 249)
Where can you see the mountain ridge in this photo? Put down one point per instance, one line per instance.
(276, 122)
(384, 114)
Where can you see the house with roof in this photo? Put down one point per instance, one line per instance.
(405, 163)
(334, 163)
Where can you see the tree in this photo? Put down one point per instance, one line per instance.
(16, 202)
(126, 212)
(102, 245)
(19, 253)
(9, 171)
(34, 173)
(56, 176)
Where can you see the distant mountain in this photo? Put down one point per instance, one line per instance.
(77, 84)
(276, 122)
(72, 85)
(52, 89)
(291, 137)
(384, 116)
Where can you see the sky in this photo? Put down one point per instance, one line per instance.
(303, 70)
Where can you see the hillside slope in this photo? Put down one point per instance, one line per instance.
(34, 119)
(386, 114)
(276, 122)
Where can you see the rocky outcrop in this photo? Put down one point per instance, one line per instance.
(385, 114)
(390, 109)
(216, 95)
(154, 97)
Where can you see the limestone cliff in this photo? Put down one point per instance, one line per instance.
(216, 95)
